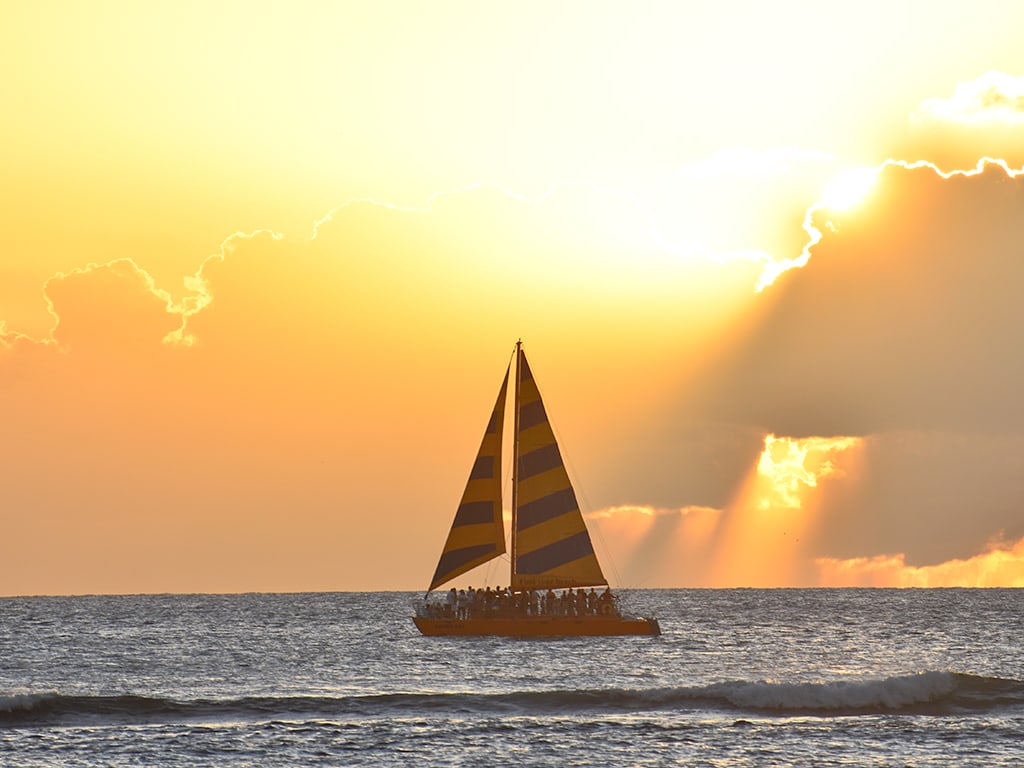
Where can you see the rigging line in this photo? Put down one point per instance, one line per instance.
(593, 524)
(607, 552)
(506, 487)
(488, 571)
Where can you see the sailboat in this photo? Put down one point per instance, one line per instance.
(552, 557)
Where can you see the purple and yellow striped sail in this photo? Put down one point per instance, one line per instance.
(552, 546)
(478, 533)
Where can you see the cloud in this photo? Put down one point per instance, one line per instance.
(934, 496)
(906, 316)
(1001, 566)
(994, 97)
(902, 328)
(982, 118)
(113, 306)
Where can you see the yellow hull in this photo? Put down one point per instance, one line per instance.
(539, 626)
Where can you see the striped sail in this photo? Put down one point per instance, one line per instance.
(552, 546)
(477, 533)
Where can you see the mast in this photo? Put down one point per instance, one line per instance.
(515, 457)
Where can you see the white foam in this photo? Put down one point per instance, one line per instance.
(22, 701)
(888, 693)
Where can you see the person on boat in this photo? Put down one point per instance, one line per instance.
(568, 603)
(549, 601)
(592, 601)
(519, 603)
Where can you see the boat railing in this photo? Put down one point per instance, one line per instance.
(516, 605)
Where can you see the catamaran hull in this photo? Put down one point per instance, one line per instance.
(539, 626)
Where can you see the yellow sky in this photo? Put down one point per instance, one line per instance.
(263, 264)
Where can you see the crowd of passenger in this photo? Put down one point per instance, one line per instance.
(504, 603)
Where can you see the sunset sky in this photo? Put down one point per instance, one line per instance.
(264, 265)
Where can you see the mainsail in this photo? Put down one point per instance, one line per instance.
(551, 547)
(478, 534)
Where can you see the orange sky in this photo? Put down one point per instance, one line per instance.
(264, 265)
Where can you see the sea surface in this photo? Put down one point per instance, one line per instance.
(738, 678)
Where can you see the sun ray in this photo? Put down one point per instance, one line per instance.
(765, 530)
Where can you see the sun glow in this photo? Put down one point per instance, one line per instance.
(765, 530)
(792, 465)
(849, 188)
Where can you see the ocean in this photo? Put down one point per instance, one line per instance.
(746, 677)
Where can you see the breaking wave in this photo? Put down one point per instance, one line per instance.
(935, 693)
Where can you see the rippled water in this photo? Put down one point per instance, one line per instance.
(739, 677)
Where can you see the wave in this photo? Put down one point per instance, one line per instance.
(935, 693)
